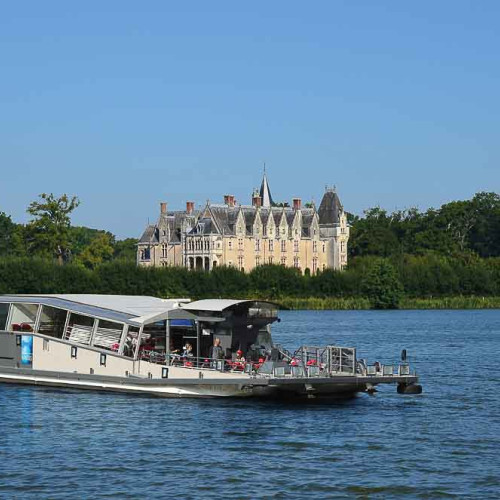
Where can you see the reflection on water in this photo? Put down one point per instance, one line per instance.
(61, 444)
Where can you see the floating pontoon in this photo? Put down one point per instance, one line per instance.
(139, 345)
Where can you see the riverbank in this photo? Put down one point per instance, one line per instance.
(359, 303)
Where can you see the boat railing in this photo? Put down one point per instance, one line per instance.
(386, 369)
(285, 353)
(201, 363)
(305, 362)
(327, 360)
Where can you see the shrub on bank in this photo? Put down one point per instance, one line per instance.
(381, 281)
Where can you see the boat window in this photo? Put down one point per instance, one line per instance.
(23, 317)
(264, 338)
(153, 342)
(4, 312)
(79, 329)
(131, 341)
(108, 335)
(262, 312)
(52, 321)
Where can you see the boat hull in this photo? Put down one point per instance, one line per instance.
(191, 387)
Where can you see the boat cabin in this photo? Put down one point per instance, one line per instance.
(149, 329)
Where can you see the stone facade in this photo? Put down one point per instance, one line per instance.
(246, 236)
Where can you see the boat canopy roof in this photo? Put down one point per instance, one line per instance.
(135, 310)
(131, 309)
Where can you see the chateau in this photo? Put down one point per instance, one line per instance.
(246, 236)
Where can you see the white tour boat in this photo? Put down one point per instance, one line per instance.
(174, 347)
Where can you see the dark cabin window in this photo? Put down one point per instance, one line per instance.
(4, 312)
(52, 321)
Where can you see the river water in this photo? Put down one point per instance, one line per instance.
(443, 443)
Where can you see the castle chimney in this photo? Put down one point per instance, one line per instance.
(256, 201)
(297, 203)
(189, 207)
(229, 200)
(163, 207)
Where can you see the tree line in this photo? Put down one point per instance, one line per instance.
(456, 228)
(454, 250)
(382, 280)
(50, 236)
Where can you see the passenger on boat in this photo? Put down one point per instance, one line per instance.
(239, 362)
(188, 351)
(149, 345)
(128, 348)
(216, 351)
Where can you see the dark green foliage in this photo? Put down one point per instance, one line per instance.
(276, 281)
(11, 237)
(48, 234)
(381, 285)
(379, 279)
(455, 228)
(126, 250)
(229, 282)
(80, 237)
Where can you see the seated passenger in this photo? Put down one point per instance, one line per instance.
(188, 351)
(239, 357)
(148, 345)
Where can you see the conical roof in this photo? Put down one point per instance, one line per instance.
(265, 193)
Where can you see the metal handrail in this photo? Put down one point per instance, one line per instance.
(201, 363)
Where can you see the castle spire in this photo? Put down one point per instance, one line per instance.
(265, 192)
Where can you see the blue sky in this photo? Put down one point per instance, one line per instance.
(128, 103)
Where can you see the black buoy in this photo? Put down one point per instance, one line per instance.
(409, 389)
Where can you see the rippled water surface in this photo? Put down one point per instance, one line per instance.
(444, 443)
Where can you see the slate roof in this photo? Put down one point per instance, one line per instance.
(204, 226)
(265, 193)
(277, 215)
(150, 235)
(264, 215)
(330, 208)
(221, 218)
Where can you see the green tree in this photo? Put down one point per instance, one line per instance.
(126, 250)
(11, 237)
(98, 251)
(80, 237)
(382, 286)
(48, 232)
(485, 235)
